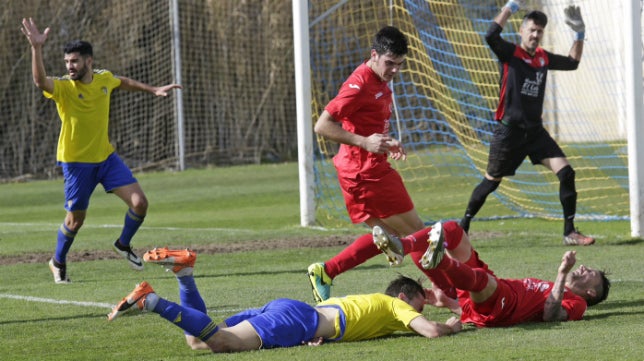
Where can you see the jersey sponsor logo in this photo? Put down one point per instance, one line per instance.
(378, 95)
(354, 86)
(531, 87)
(537, 286)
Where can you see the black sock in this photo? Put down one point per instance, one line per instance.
(568, 197)
(477, 199)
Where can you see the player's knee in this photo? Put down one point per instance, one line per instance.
(567, 188)
(74, 223)
(140, 205)
(566, 175)
(486, 187)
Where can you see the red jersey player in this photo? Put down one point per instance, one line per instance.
(486, 300)
(374, 193)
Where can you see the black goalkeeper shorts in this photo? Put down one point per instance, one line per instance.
(511, 145)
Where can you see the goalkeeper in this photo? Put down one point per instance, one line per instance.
(520, 132)
(84, 151)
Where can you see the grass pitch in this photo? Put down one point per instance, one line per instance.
(239, 206)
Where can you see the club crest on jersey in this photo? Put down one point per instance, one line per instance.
(104, 90)
(378, 95)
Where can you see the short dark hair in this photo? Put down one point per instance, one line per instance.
(537, 17)
(390, 40)
(79, 46)
(406, 285)
(601, 296)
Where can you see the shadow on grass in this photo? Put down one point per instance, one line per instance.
(609, 306)
(628, 242)
(272, 272)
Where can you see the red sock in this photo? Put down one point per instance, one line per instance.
(416, 241)
(453, 234)
(463, 276)
(357, 253)
(438, 278)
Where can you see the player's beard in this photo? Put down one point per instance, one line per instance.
(79, 73)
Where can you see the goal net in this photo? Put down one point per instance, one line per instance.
(447, 92)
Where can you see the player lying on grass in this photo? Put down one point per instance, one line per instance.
(488, 301)
(284, 322)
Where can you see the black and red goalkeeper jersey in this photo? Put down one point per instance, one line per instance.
(523, 79)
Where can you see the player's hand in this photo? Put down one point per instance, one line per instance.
(574, 20)
(567, 262)
(396, 150)
(35, 37)
(436, 297)
(455, 324)
(377, 143)
(314, 342)
(515, 5)
(162, 91)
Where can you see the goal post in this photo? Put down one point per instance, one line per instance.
(304, 112)
(634, 57)
(448, 90)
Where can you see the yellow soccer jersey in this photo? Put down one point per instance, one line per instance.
(84, 110)
(373, 315)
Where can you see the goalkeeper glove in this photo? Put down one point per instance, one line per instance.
(574, 20)
(514, 5)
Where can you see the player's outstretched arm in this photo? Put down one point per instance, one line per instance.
(431, 329)
(134, 85)
(576, 23)
(37, 40)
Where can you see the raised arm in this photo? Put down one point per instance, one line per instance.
(576, 23)
(37, 40)
(134, 85)
(552, 310)
(511, 7)
(431, 329)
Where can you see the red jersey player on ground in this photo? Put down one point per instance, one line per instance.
(488, 301)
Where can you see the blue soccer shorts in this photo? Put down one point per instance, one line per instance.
(82, 178)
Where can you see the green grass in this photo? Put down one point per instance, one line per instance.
(238, 204)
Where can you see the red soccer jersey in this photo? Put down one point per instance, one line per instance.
(363, 106)
(518, 301)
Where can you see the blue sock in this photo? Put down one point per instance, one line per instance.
(189, 294)
(131, 224)
(188, 319)
(64, 242)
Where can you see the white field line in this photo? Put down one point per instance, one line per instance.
(87, 304)
(48, 226)
(119, 226)
(57, 302)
